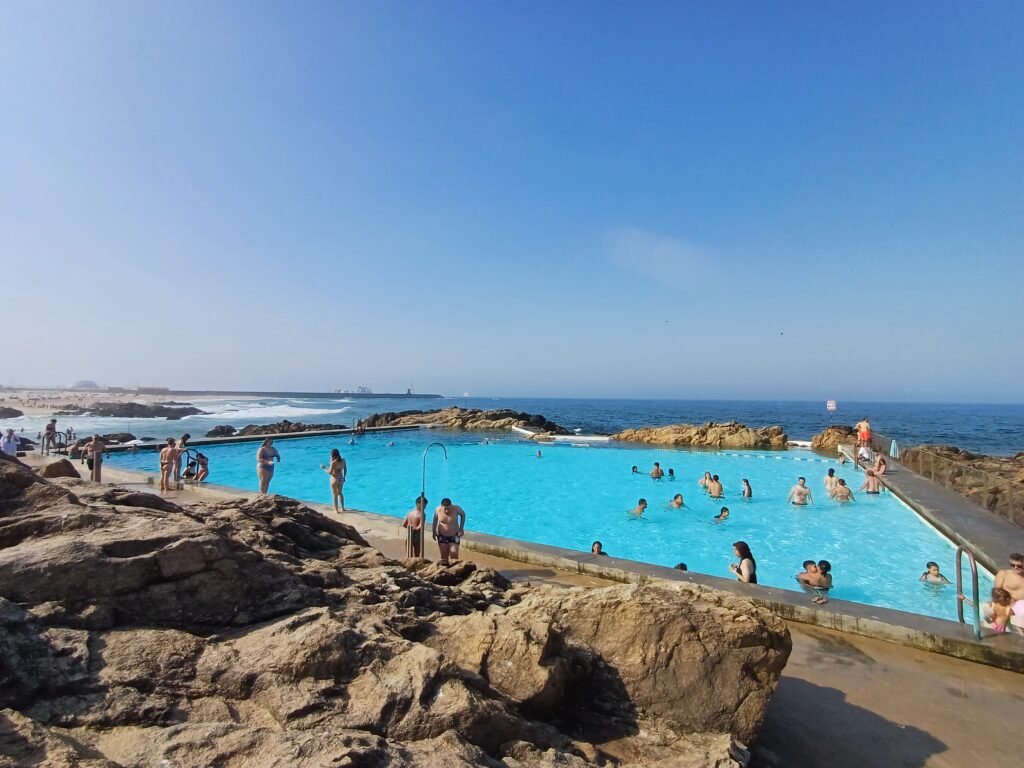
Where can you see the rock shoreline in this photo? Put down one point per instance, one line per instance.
(129, 411)
(262, 633)
(729, 434)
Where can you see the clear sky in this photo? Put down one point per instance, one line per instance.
(737, 200)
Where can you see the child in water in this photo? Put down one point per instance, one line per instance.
(933, 575)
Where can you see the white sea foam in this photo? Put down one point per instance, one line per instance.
(232, 413)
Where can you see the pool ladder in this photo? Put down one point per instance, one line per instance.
(975, 601)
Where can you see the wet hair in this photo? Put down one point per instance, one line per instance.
(642, 502)
(335, 454)
(634, 468)
(1017, 557)
(1001, 597)
(841, 481)
(808, 562)
(268, 440)
(801, 478)
(170, 441)
(597, 544)
(715, 478)
(421, 499)
(671, 471)
(446, 502)
(657, 464)
(681, 567)
(931, 564)
(706, 474)
(744, 551)
(831, 472)
(677, 496)
(745, 481)
(186, 436)
(824, 566)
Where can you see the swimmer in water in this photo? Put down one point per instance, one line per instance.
(705, 481)
(671, 474)
(800, 494)
(722, 516)
(638, 510)
(597, 549)
(677, 501)
(831, 481)
(657, 473)
(715, 490)
(635, 470)
(748, 492)
(933, 575)
(539, 455)
(871, 483)
(842, 492)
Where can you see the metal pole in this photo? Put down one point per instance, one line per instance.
(423, 485)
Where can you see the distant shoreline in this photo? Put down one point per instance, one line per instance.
(232, 393)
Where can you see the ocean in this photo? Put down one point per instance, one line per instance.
(983, 428)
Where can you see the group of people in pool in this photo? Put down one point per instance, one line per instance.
(1004, 611)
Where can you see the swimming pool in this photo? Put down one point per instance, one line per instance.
(571, 496)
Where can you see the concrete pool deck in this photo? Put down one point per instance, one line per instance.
(843, 700)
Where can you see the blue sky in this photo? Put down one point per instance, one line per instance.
(739, 199)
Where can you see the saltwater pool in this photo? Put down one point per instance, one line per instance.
(572, 495)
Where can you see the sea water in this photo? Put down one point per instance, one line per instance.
(572, 496)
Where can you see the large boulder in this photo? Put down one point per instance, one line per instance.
(135, 632)
(833, 436)
(10, 413)
(222, 430)
(467, 418)
(129, 410)
(59, 468)
(729, 434)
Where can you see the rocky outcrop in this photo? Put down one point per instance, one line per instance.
(129, 411)
(993, 482)
(222, 430)
(134, 632)
(730, 434)
(467, 418)
(834, 435)
(10, 413)
(59, 468)
(284, 427)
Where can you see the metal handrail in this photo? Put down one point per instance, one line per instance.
(976, 603)
(423, 486)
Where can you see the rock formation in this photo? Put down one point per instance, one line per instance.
(993, 482)
(467, 418)
(10, 413)
(730, 434)
(283, 427)
(59, 468)
(134, 632)
(832, 437)
(129, 411)
(222, 430)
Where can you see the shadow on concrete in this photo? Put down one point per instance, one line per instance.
(808, 725)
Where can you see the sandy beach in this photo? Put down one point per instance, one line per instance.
(44, 402)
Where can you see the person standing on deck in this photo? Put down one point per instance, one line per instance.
(50, 436)
(9, 443)
(447, 529)
(265, 463)
(93, 451)
(863, 432)
(179, 450)
(167, 456)
(338, 470)
(413, 523)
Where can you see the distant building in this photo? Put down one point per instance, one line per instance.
(153, 390)
(85, 384)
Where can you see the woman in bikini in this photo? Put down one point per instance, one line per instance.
(338, 469)
(265, 463)
(168, 455)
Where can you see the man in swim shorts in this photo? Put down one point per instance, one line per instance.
(863, 432)
(1012, 579)
(657, 473)
(447, 529)
(800, 495)
(413, 522)
(638, 510)
(810, 576)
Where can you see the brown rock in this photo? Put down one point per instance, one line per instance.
(468, 418)
(59, 468)
(711, 435)
(833, 436)
(261, 633)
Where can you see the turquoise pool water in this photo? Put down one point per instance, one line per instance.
(571, 496)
